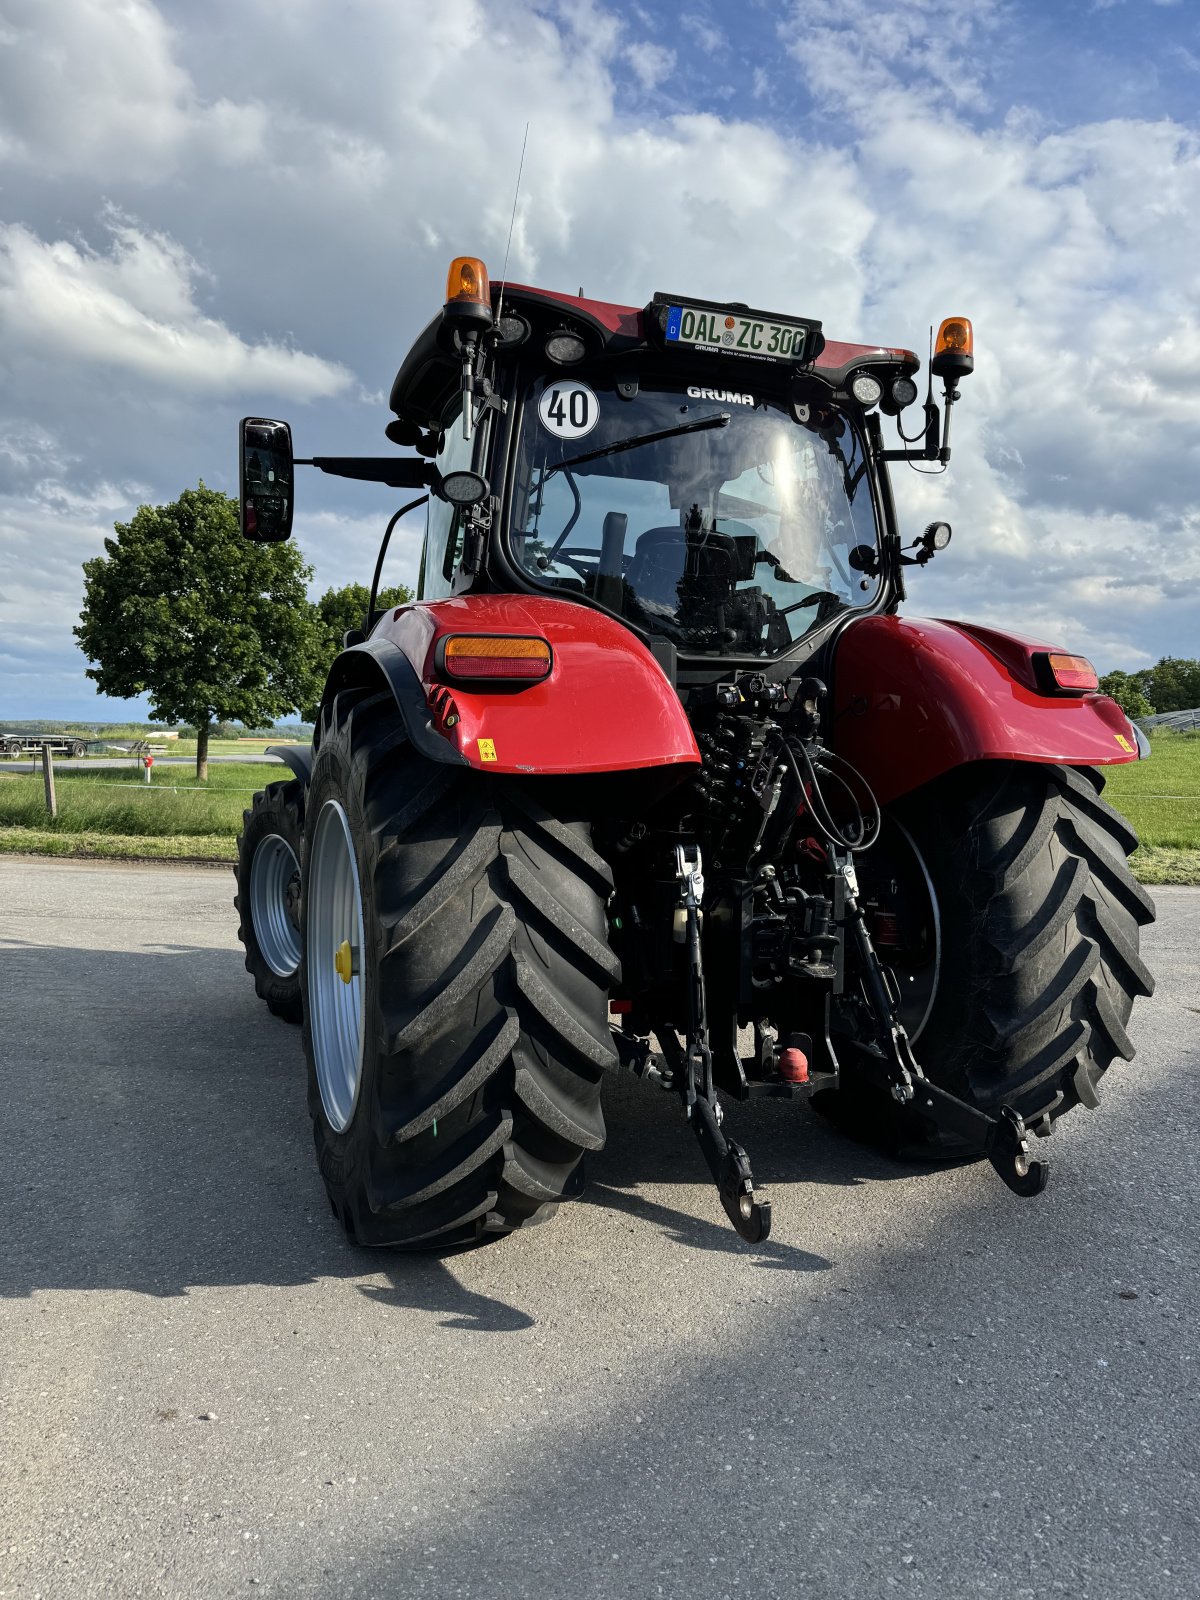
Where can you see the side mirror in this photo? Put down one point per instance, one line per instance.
(265, 480)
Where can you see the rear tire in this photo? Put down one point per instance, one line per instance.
(454, 1083)
(1035, 963)
(268, 895)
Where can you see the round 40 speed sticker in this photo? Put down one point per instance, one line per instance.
(568, 410)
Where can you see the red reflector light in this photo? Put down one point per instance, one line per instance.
(489, 656)
(1073, 672)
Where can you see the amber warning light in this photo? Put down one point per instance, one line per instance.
(467, 282)
(489, 656)
(954, 349)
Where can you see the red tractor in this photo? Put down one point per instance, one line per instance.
(652, 776)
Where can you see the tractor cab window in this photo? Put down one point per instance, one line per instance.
(444, 522)
(712, 517)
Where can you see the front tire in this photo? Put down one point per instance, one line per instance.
(268, 895)
(456, 1047)
(1025, 970)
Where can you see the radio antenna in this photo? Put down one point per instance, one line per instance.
(511, 224)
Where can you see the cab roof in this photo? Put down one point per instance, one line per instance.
(428, 377)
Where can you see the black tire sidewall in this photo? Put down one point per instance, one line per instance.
(277, 810)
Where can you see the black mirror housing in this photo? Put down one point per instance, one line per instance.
(265, 479)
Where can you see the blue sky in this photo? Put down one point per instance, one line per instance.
(251, 208)
(1067, 61)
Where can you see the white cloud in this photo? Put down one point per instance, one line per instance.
(286, 208)
(706, 34)
(652, 64)
(134, 308)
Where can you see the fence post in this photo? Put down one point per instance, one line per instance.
(48, 780)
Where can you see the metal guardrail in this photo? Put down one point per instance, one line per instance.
(1180, 721)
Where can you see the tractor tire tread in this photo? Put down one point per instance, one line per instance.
(487, 952)
(1041, 919)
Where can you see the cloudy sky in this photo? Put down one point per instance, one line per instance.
(249, 208)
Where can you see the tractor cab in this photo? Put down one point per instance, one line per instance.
(709, 474)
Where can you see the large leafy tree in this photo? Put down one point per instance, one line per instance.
(213, 628)
(335, 614)
(1172, 684)
(1127, 691)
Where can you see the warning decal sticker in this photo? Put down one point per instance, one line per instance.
(487, 749)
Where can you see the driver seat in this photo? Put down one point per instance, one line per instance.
(662, 557)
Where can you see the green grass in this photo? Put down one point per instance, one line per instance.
(116, 846)
(1154, 864)
(1161, 798)
(165, 817)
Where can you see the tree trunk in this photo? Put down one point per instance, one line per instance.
(202, 752)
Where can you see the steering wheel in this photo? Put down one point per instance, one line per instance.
(819, 597)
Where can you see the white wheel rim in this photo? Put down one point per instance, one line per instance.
(333, 917)
(274, 880)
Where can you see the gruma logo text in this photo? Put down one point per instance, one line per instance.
(730, 396)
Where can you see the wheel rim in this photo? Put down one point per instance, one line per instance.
(334, 919)
(274, 874)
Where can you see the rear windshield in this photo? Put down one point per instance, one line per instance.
(712, 517)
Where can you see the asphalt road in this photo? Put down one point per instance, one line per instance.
(922, 1386)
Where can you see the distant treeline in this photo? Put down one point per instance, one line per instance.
(1172, 684)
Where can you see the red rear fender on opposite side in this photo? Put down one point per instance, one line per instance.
(607, 705)
(914, 698)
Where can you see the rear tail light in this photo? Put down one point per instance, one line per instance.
(1071, 674)
(492, 657)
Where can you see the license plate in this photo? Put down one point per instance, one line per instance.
(734, 334)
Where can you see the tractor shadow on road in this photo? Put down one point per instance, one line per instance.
(157, 1139)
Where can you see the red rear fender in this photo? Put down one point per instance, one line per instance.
(915, 698)
(607, 705)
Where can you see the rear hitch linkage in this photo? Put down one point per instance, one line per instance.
(1004, 1138)
(693, 1075)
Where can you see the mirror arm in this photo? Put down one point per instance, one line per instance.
(403, 473)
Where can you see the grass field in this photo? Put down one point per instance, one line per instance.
(89, 845)
(1161, 798)
(113, 812)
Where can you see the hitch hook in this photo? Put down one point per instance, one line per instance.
(1008, 1151)
(730, 1167)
